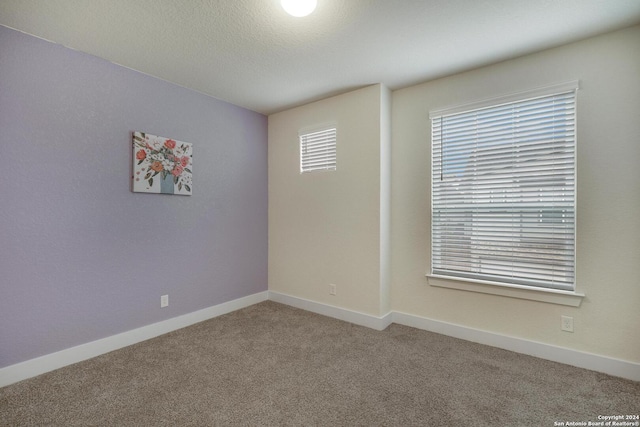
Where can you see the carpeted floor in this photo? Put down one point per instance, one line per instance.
(270, 364)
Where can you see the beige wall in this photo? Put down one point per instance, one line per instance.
(325, 227)
(385, 201)
(334, 228)
(608, 211)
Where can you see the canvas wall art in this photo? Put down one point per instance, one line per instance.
(162, 165)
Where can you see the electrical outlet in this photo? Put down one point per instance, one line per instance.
(332, 289)
(566, 323)
(164, 301)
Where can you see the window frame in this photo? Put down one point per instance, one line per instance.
(319, 129)
(518, 290)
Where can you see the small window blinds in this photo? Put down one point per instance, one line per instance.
(503, 191)
(318, 150)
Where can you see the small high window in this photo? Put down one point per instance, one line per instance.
(318, 150)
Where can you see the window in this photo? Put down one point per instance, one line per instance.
(318, 150)
(503, 190)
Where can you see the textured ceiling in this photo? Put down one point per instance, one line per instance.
(252, 54)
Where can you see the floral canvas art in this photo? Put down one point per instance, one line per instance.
(161, 165)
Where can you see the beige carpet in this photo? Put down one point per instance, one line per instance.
(270, 364)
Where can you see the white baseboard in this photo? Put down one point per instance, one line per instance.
(40, 365)
(368, 320)
(593, 362)
(31, 368)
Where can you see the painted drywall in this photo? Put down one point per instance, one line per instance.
(608, 203)
(385, 200)
(325, 227)
(82, 257)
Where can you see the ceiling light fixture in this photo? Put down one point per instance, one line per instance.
(298, 8)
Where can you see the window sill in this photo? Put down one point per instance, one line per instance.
(551, 296)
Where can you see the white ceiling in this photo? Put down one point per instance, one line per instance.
(252, 54)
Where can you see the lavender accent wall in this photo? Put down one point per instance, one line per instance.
(82, 257)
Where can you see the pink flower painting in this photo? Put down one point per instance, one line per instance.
(162, 165)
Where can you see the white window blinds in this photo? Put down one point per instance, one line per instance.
(318, 150)
(503, 192)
